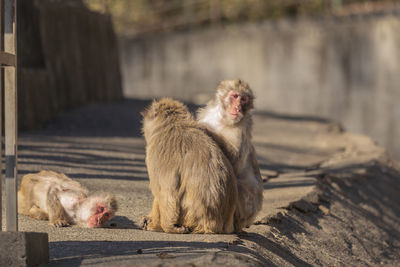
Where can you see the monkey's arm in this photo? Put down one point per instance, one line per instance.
(254, 164)
(57, 215)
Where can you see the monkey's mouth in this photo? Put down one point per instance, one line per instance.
(235, 114)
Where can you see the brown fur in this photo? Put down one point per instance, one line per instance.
(234, 137)
(53, 196)
(192, 181)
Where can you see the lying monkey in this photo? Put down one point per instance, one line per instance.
(55, 197)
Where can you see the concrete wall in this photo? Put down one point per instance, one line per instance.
(67, 57)
(345, 69)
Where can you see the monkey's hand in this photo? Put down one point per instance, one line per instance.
(60, 223)
(144, 222)
(180, 229)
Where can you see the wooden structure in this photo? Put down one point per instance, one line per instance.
(16, 248)
(60, 70)
(8, 62)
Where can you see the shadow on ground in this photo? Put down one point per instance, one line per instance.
(120, 119)
(97, 136)
(72, 253)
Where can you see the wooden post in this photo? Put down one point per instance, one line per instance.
(17, 248)
(10, 115)
(1, 116)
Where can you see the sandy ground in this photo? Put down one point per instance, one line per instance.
(330, 197)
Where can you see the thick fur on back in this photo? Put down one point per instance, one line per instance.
(190, 177)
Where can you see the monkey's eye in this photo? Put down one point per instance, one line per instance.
(244, 99)
(106, 214)
(101, 209)
(235, 96)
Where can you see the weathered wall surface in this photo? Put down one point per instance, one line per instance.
(68, 56)
(345, 69)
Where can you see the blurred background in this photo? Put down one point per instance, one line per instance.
(335, 59)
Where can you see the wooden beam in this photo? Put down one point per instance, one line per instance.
(10, 115)
(1, 115)
(7, 59)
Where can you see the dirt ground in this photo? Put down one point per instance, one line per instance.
(330, 197)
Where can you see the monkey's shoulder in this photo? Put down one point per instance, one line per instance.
(70, 199)
(46, 181)
(184, 132)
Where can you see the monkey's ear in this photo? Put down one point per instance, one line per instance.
(112, 202)
(147, 111)
(151, 110)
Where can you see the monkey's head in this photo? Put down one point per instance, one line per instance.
(236, 98)
(165, 111)
(97, 209)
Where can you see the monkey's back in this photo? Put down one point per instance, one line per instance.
(184, 161)
(36, 186)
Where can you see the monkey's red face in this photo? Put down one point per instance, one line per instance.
(101, 215)
(237, 103)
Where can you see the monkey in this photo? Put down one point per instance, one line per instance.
(53, 196)
(227, 116)
(191, 179)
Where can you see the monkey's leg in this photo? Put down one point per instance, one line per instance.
(57, 214)
(169, 213)
(208, 225)
(23, 205)
(36, 213)
(151, 222)
(229, 225)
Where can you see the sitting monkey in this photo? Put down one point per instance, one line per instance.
(192, 181)
(228, 117)
(53, 196)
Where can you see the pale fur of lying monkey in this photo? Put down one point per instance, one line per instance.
(192, 181)
(53, 196)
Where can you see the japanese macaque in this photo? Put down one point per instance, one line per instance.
(55, 197)
(192, 180)
(228, 118)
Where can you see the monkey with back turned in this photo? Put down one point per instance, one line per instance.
(192, 180)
